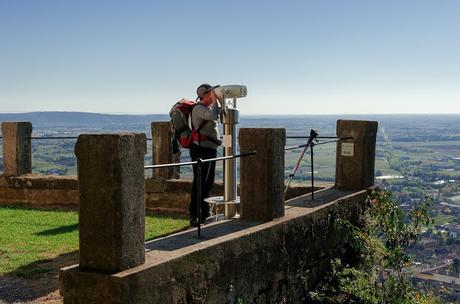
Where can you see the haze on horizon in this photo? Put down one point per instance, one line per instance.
(305, 57)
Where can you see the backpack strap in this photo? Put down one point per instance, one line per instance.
(203, 123)
(190, 119)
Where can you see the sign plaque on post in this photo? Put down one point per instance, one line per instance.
(347, 149)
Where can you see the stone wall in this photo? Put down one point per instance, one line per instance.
(274, 262)
(50, 191)
(39, 191)
(18, 186)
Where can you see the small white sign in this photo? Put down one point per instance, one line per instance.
(348, 149)
(227, 143)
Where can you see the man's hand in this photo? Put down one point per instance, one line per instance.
(217, 99)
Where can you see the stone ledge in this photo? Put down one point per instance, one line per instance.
(244, 260)
(161, 195)
(36, 181)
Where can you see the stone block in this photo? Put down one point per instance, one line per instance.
(17, 148)
(37, 181)
(167, 202)
(162, 149)
(355, 160)
(154, 185)
(262, 175)
(178, 185)
(112, 207)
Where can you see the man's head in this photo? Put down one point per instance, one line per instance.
(206, 93)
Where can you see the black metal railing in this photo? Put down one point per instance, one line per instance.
(311, 143)
(198, 164)
(51, 137)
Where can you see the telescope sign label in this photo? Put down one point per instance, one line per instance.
(347, 149)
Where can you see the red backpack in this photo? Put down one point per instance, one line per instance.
(181, 118)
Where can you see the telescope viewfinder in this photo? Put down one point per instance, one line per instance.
(231, 91)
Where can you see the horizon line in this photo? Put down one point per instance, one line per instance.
(261, 114)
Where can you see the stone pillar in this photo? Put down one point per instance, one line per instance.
(262, 175)
(112, 207)
(162, 150)
(355, 160)
(17, 148)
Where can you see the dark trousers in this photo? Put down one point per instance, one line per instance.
(208, 171)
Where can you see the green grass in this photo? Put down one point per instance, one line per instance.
(29, 237)
(157, 225)
(383, 166)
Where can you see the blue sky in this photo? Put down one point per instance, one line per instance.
(296, 57)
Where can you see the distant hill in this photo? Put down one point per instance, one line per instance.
(401, 127)
(80, 119)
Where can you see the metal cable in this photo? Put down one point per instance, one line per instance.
(331, 141)
(301, 137)
(202, 161)
(55, 137)
(51, 137)
(318, 143)
(306, 137)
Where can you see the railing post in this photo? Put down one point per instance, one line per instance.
(162, 150)
(355, 160)
(262, 175)
(112, 207)
(17, 148)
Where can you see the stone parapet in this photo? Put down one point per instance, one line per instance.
(34, 190)
(234, 261)
(37, 181)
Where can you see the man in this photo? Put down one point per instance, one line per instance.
(204, 119)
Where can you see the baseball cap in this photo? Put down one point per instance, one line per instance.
(204, 88)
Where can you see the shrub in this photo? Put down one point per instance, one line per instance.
(381, 275)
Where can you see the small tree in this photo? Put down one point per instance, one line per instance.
(382, 274)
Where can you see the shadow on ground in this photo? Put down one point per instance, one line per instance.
(190, 236)
(35, 280)
(59, 230)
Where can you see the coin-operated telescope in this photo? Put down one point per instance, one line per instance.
(231, 91)
(229, 117)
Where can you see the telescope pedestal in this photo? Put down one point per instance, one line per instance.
(230, 118)
(216, 201)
